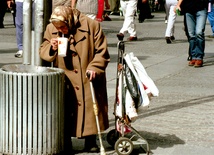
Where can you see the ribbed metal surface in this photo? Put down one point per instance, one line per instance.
(31, 110)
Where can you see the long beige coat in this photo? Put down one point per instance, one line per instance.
(89, 51)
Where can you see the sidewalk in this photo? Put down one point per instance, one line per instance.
(179, 121)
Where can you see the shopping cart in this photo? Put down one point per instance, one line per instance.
(124, 137)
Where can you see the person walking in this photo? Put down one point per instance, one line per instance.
(88, 7)
(86, 53)
(3, 8)
(56, 3)
(144, 10)
(19, 25)
(114, 5)
(171, 16)
(129, 9)
(211, 17)
(196, 16)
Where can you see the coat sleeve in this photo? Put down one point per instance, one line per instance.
(101, 54)
(45, 51)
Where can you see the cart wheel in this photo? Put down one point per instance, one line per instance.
(112, 137)
(123, 146)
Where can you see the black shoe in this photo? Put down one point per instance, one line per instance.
(141, 20)
(120, 36)
(172, 38)
(106, 18)
(94, 149)
(168, 40)
(90, 144)
(150, 17)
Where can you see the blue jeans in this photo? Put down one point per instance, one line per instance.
(196, 26)
(19, 24)
(211, 18)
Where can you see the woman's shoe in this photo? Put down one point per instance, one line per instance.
(106, 18)
(120, 36)
(141, 21)
(150, 17)
(172, 38)
(94, 149)
(90, 144)
(168, 40)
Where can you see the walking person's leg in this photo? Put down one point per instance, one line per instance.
(211, 20)
(201, 18)
(19, 28)
(3, 8)
(131, 26)
(196, 27)
(169, 34)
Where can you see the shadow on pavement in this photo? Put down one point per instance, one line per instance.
(5, 51)
(176, 106)
(155, 140)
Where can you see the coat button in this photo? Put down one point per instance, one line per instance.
(76, 71)
(77, 87)
(79, 103)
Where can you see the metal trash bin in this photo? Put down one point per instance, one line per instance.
(31, 110)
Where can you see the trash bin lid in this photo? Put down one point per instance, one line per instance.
(20, 68)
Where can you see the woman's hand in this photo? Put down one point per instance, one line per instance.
(90, 74)
(54, 44)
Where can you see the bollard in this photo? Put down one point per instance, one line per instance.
(31, 110)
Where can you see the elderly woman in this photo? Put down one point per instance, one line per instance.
(86, 53)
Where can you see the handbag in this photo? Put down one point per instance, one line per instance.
(132, 85)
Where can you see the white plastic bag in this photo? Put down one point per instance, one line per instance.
(145, 98)
(144, 78)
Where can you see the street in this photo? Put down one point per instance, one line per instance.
(177, 122)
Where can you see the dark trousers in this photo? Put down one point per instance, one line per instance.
(3, 8)
(144, 10)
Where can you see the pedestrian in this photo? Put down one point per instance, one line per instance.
(107, 7)
(144, 10)
(114, 5)
(129, 9)
(87, 53)
(88, 7)
(196, 16)
(56, 3)
(19, 25)
(160, 6)
(171, 16)
(211, 17)
(3, 9)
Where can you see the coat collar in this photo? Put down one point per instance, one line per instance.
(82, 28)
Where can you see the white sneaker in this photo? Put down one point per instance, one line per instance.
(166, 22)
(19, 54)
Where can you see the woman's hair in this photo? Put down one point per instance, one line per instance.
(63, 14)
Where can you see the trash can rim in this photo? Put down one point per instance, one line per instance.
(30, 69)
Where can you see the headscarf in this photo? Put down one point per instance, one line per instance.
(63, 14)
(69, 16)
